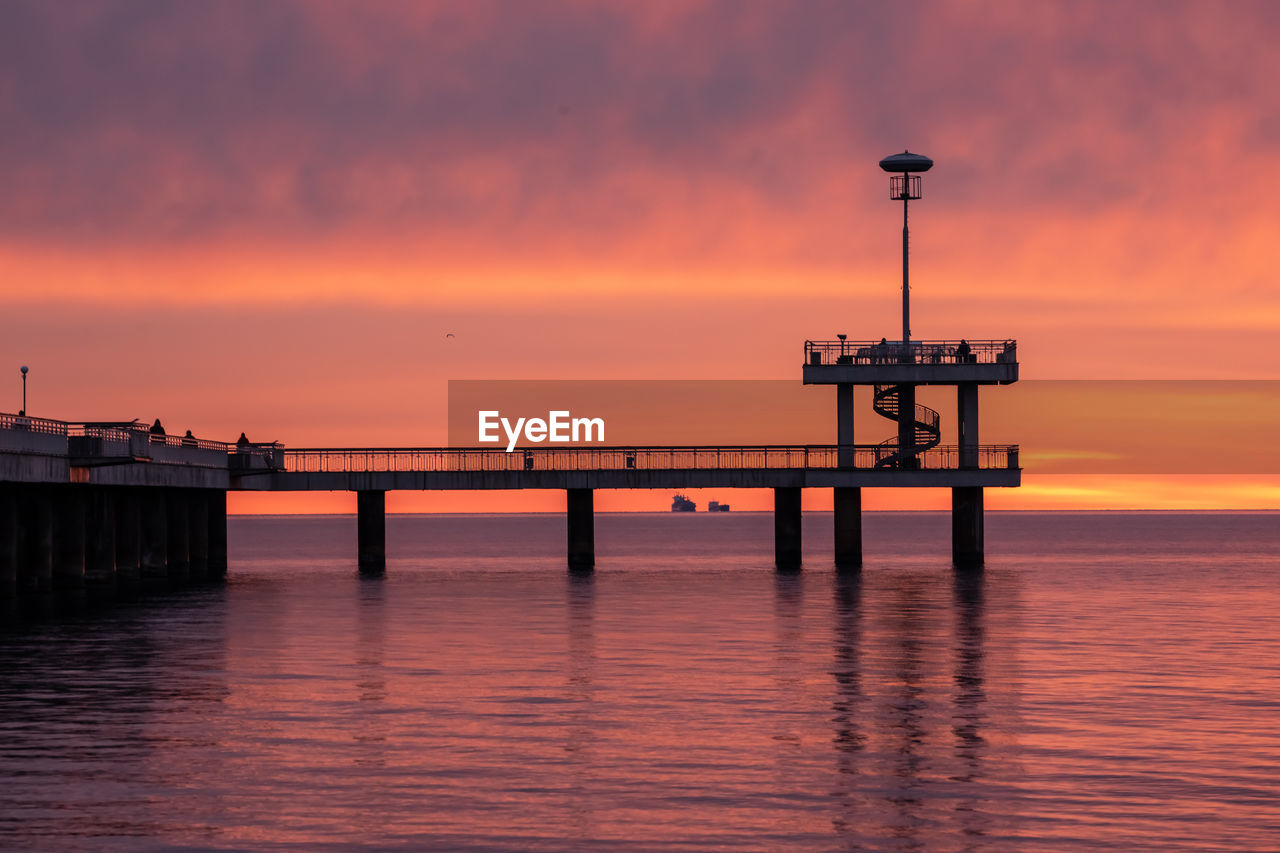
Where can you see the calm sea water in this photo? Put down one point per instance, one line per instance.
(1112, 681)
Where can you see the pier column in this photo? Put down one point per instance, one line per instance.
(128, 539)
(848, 527)
(154, 530)
(8, 543)
(967, 420)
(198, 534)
(371, 533)
(217, 534)
(68, 538)
(100, 539)
(178, 538)
(966, 526)
(845, 454)
(35, 540)
(786, 528)
(907, 423)
(582, 530)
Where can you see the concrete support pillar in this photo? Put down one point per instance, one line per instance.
(198, 534)
(907, 422)
(154, 529)
(35, 540)
(967, 421)
(178, 536)
(100, 539)
(128, 539)
(967, 547)
(8, 543)
(371, 523)
(786, 528)
(582, 530)
(69, 538)
(848, 527)
(217, 513)
(845, 455)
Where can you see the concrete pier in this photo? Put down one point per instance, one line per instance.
(217, 515)
(786, 528)
(35, 541)
(178, 536)
(198, 534)
(848, 528)
(582, 530)
(845, 455)
(154, 530)
(128, 539)
(100, 540)
(967, 550)
(69, 538)
(371, 532)
(907, 423)
(967, 421)
(8, 543)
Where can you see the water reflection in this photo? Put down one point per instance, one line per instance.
(581, 723)
(371, 672)
(848, 704)
(94, 706)
(969, 702)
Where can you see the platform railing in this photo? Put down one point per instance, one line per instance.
(916, 352)
(44, 426)
(805, 457)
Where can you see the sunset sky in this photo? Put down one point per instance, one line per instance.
(267, 216)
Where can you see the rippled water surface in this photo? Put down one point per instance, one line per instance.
(1110, 682)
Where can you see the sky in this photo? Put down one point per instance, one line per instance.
(268, 216)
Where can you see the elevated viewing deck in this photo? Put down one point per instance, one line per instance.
(919, 362)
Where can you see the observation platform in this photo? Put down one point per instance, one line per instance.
(918, 363)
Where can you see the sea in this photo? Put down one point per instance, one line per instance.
(1110, 681)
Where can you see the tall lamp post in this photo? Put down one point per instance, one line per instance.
(906, 186)
(24, 369)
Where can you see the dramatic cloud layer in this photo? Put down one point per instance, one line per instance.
(320, 190)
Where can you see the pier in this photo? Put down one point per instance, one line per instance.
(95, 507)
(100, 507)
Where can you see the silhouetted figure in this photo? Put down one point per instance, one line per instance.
(242, 441)
(882, 351)
(963, 352)
(157, 431)
(188, 440)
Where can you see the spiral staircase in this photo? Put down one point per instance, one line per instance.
(887, 403)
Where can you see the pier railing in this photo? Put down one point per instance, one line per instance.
(916, 352)
(23, 423)
(427, 460)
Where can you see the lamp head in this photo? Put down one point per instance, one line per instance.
(24, 369)
(906, 162)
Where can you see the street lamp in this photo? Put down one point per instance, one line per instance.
(24, 370)
(841, 336)
(906, 186)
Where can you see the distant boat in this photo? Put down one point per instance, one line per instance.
(682, 504)
(716, 506)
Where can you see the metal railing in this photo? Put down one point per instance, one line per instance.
(461, 459)
(44, 426)
(185, 441)
(916, 352)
